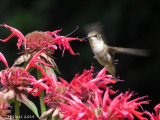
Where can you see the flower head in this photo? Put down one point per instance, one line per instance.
(121, 107)
(86, 83)
(82, 99)
(13, 82)
(16, 81)
(82, 86)
(36, 41)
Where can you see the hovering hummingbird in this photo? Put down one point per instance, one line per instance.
(105, 54)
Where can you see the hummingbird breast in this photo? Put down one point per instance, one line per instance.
(101, 53)
(103, 58)
(98, 46)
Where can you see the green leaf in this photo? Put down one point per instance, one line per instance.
(28, 103)
(51, 69)
(39, 75)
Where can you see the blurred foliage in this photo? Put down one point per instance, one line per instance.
(134, 24)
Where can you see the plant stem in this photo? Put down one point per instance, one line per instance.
(41, 97)
(16, 109)
(42, 104)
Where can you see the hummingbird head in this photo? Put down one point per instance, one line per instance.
(94, 36)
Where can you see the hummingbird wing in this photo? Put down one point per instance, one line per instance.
(139, 52)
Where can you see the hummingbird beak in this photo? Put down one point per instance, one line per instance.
(84, 38)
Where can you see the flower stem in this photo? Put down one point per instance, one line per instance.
(41, 97)
(16, 109)
(42, 104)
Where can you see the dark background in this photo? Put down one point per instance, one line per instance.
(133, 24)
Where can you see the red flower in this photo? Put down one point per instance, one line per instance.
(121, 107)
(82, 86)
(85, 84)
(38, 85)
(76, 109)
(17, 81)
(157, 113)
(62, 41)
(12, 81)
(36, 41)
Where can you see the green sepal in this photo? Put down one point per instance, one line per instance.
(22, 58)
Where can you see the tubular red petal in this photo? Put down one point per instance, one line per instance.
(32, 61)
(3, 59)
(5, 40)
(63, 81)
(53, 80)
(15, 32)
(102, 72)
(53, 33)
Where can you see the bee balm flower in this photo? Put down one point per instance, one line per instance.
(37, 40)
(13, 81)
(16, 81)
(118, 108)
(82, 86)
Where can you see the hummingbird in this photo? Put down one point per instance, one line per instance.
(105, 54)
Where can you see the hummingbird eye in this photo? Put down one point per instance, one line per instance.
(95, 35)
